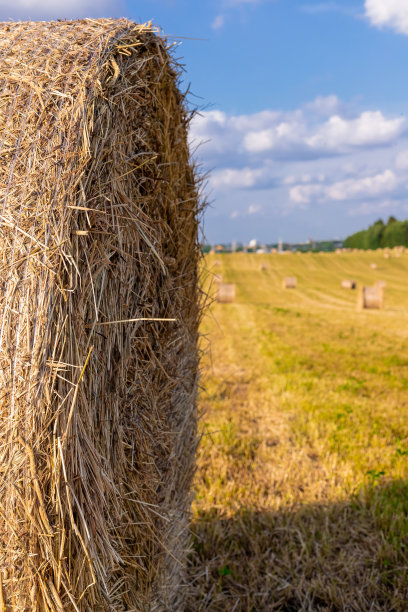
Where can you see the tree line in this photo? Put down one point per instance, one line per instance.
(380, 235)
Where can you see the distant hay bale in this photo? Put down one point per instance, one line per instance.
(217, 262)
(386, 255)
(98, 318)
(217, 278)
(373, 266)
(226, 293)
(264, 267)
(348, 284)
(371, 297)
(290, 282)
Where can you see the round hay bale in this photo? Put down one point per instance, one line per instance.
(371, 297)
(348, 284)
(263, 267)
(386, 255)
(373, 266)
(99, 317)
(226, 293)
(290, 282)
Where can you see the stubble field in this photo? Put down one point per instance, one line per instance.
(301, 488)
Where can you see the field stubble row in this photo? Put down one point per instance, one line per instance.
(301, 490)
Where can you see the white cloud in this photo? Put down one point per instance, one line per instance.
(49, 9)
(236, 177)
(253, 209)
(295, 134)
(327, 7)
(325, 105)
(369, 208)
(401, 161)
(390, 13)
(349, 189)
(284, 135)
(292, 162)
(218, 22)
(370, 128)
(336, 135)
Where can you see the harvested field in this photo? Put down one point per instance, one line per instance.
(302, 486)
(99, 312)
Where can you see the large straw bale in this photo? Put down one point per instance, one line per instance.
(348, 284)
(290, 282)
(98, 227)
(226, 293)
(371, 297)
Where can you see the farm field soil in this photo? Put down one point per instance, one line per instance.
(302, 481)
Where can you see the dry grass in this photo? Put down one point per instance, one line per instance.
(98, 319)
(302, 487)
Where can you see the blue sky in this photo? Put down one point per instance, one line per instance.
(304, 103)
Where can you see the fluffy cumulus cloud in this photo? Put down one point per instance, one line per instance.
(54, 9)
(389, 13)
(325, 105)
(350, 189)
(368, 129)
(324, 156)
(336, 135)
(303, 133)
(237, 177)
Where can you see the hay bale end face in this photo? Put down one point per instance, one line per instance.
(348, 284)
(290, 282)
(373, 266)
(226, 293)
(99, 317)
(371, 297)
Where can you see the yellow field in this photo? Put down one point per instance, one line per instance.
(301, 490)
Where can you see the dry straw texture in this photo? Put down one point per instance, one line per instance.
(98, 227)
